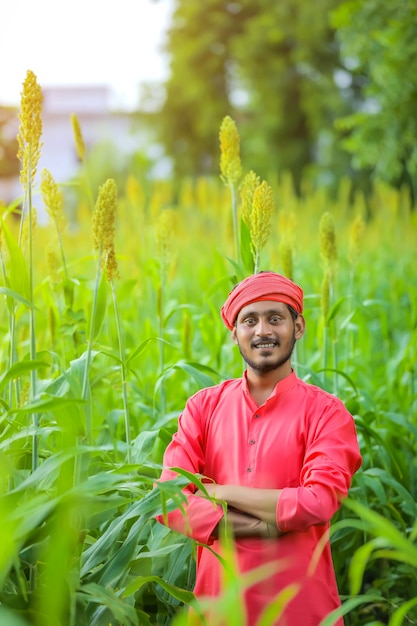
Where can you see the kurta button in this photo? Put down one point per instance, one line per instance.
(249, 469)
(256, 416)
(252, 441)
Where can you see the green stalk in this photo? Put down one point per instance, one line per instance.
(325, 348)
(89, 349)
(349, 339)
(124, 375)
(33, 375)
(61, 248)
(161, 333)
(12, 325)
(256, 262)
(334, 346)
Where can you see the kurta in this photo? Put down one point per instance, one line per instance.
(301, 440)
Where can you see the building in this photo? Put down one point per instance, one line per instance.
(91, 105)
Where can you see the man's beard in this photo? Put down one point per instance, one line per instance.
(265, 367)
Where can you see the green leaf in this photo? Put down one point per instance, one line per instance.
(198, 372)
(142, 346)
(334, 310)
(358, 565)
(182, 595)
(11, 618)
(16, 296)
(17, 269)
(20, 369)
(348, 606)
(101, 305)
(399, 617)
(48, 404)
(121, 611)
(384, 530)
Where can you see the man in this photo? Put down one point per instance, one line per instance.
(280, 453)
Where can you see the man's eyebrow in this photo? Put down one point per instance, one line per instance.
(267, 312)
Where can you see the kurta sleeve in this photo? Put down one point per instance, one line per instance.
(199, 516)
(331, 458)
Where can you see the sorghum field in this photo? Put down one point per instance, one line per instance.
(110, 320)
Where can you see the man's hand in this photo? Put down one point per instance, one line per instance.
(242, 525)
(257, 504)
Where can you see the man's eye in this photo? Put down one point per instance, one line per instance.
(249, 321)
(274, 319)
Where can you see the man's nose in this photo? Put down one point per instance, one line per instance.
(263, 327)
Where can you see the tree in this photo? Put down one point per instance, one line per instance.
(379, 49)
(287, 60)
(270, 65)
(197, 90)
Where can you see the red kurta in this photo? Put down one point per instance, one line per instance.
(301, 440)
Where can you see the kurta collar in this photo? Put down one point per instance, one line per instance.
(283, 385)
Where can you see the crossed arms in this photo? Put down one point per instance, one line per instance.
(251, 512)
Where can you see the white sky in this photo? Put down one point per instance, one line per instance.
(83, 42)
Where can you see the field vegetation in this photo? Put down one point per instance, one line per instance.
(110, 320)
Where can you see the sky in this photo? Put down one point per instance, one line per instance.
(116, 43)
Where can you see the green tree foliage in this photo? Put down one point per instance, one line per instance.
(197, 92)
(287, 59)
(270, 65)
(379, 46)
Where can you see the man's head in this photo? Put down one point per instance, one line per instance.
(262, 286)
(264, 313)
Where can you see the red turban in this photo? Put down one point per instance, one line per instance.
(262, 286)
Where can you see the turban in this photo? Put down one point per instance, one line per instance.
(262, 286)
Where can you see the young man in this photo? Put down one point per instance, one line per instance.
(279, 452)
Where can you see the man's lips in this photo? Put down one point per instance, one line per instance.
(265, 344)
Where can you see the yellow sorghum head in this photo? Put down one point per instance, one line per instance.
(104, 217)
(51, 195)
(356, 231)
(24, 395)
(186, 193)
(52, 323)
(134, 192)
(328, 249)
(247, 191)
(112, 269)
(30, 130)
(261, 218)
(161, 196)
(202, 193)
(287, 222)
(164, 233)
(230, 165)
(52, 262)
(78, 137)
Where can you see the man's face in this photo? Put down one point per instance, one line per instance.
(266, 334)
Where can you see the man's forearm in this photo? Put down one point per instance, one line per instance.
(243, 525)
(260, 503)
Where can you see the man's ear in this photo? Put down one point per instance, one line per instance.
(233, 333)
(300, 326)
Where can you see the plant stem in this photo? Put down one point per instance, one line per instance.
(124, 375)
(33, 375)
(89, 349)
(256, 262)
(161, 333)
